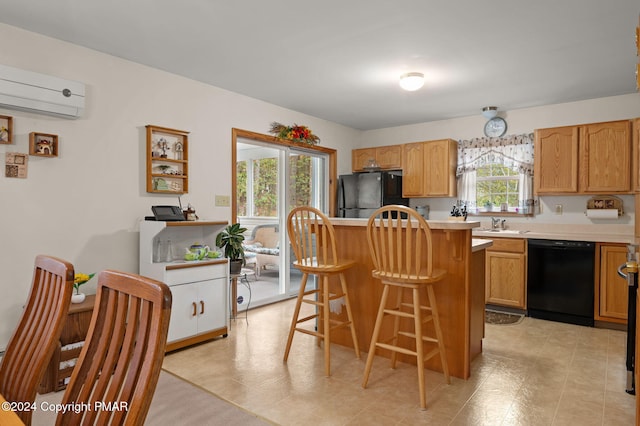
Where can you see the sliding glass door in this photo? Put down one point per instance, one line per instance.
(270, 181)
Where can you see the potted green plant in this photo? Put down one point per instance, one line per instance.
(230, 240)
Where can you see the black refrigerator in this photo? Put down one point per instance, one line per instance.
(360, 194)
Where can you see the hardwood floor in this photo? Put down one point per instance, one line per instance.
(533, 373)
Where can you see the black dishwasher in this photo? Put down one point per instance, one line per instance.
(560, 281)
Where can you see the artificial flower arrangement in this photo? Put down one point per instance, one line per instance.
(294, 133)
(80, 279)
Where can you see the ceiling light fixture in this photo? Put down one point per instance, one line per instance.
(489, 112)
(412, 81)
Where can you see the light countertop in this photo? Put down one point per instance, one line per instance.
(624, 238)
(433, 224)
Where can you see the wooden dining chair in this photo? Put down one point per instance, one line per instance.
(36, 337)
(118, 367)
(402, 255)
(314, 243)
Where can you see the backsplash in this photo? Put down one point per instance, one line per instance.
(573, 214)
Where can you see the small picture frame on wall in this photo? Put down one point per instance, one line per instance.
(43, 144)
(6, 129)
(16, 165)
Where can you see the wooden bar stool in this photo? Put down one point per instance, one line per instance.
(401, 251)
(313, 241)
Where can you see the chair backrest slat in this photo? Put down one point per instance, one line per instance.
(400, 247)
(122, 356)
(312, 237)
(36, 336)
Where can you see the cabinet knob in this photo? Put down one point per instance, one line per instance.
(201, 307)
(195, 312)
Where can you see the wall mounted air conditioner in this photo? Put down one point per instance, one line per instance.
(40, 93)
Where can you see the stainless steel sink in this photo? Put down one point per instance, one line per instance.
(502, 231)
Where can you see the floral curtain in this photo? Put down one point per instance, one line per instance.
(514, 151)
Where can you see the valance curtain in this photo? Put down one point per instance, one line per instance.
(514, 151)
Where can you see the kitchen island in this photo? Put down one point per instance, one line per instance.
(460, 296)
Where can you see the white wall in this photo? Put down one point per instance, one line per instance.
(84, 205)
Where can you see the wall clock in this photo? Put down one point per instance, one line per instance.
(495, 127)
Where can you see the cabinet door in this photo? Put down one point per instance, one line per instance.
(184, 312)
(605, 157)
(413, 169)
(505, 279)
(212, 304)
(556, 160)
(440, 163)
(360, 158)
(613, 290)
(389, 157)
(635, 148)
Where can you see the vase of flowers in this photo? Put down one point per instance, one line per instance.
(78, 280)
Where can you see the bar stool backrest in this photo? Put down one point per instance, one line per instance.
(312, 237)
(400, 248)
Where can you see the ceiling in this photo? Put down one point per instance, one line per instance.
(340, 60)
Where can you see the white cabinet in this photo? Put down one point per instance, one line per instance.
(200, 308)
(196, 309)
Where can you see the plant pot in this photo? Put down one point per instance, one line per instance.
(77, 298)
(235, 266)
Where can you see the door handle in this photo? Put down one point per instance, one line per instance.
(194, 309)
(201, 307)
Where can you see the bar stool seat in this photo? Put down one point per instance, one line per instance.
(401, 251)
(313, 241)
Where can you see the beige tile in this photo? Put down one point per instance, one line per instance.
(534, 373)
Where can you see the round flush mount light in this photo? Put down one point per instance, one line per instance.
(489, 112)
(412, 81)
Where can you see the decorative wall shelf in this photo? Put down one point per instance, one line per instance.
(6, 129)
(43, 144)
(167, 160)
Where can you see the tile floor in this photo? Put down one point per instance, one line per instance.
(533, 373)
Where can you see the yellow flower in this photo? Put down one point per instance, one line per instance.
(80, 279)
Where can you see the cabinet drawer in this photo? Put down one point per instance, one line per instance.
(195, 274)
(514, 245)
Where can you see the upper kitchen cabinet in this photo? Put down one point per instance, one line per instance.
(635, 144)
(429, 168)
(556, 160)
(605, 157)
(585, 159)
(386, 157)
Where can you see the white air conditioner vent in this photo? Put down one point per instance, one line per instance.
(40, 93)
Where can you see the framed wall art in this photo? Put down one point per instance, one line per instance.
(16, 165)
(6, 129)
(43, 144)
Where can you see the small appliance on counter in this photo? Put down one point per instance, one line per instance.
(166, 213)
(360, 194)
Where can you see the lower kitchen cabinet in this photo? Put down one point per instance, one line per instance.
(611, 292)
(199, 308)
(506, 272)
(196, 309)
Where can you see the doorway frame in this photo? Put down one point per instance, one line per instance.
(246, 134)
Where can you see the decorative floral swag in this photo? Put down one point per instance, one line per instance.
(294, 133)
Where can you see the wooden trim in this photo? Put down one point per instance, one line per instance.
(192, 340)
(333, 166)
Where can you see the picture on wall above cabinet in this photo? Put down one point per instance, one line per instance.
(16, 165)
(167, 160)
(6, 129)
(43, 144)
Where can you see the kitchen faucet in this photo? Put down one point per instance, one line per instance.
(495, 221)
